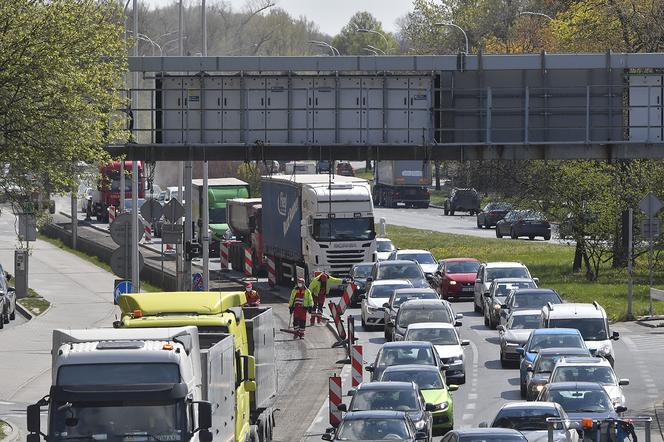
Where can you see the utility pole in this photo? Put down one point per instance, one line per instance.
(135, 276)
(630, 282)
(205, 235)
(74, 220)
(178, 247)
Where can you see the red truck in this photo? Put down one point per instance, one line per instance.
(108, 188)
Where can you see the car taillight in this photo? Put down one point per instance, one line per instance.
(492, 213)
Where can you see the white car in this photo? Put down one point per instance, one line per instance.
(591, 369)
(494, 270)
(529, 418)
(384, 247)
(449, 347)
(373, 312)
(423, 257)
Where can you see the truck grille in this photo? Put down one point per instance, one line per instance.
(342, 260)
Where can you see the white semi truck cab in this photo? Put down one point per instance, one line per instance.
(127, 384)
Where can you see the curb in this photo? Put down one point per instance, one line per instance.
(25, 313)
(14, 433)
(650, 324)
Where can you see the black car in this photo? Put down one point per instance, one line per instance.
(484, 435)
(582, 400)
(375, 425)
(396, 396)
(399, 296)
(398, 269)
(519, 223)
(323, 166)
(359, 274)
(491, 214)
(499, 289)
(423, 310)
(527, 299)
(462, 200)
(404, 353)
(545, 361)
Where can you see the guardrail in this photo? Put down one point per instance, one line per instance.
(632, 428)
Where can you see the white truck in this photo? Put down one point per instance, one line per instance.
(316, 222)
(153, 384)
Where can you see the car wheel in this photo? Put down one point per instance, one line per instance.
(364, 324)
(513, 234)
(498, 234)
(492, 324)
(524, 392)
(486, 320)
(2, 324)
(479, 224)
(476, 307)
(547, 237)
(446, 212)
(463, 379)
(503, 361)
(12, 316)
(531, 237)
(451, 212)
(5, 318)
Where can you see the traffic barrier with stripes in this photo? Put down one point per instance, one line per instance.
(111, 214)
(271, 272)
(248, 262)
(334, 310)
(356, 365)
(223, 254)
(148, 233)
(334, 400)
(169, 249)
(344, 302)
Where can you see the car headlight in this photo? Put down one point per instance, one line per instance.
(453, 283)
(539, 387)
(420, 425)
(373, 309)
(442, 406)
(604, 350)
(496, 306)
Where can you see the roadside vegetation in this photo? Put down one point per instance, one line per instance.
(34, 303)
(3, 429)
(551, 263)
(145, 286)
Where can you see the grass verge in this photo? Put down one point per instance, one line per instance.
(3, 429)
(551, 263)
(34, 303)
(145, 286)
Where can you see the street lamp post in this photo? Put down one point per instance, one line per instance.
(323, 44)
(465, 36)
(373, 31)
(374, 48)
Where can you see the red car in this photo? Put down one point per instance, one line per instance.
(455, 277)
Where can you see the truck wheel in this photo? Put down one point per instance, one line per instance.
(513, 234)
(451, 212)
(547, 237)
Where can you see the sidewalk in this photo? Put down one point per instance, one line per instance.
(81, 296)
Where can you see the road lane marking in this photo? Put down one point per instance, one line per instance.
(470, 406)
(467, 417)
(472, 395)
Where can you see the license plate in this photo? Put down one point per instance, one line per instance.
(468, 289)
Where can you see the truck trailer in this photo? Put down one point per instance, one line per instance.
(402, 182)
(108, 189)
(314, 222)
(219, 190)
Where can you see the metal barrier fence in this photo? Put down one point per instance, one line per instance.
(636, 428)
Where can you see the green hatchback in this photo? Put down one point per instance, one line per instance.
(434, 390)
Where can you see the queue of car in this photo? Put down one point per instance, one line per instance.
(563, 351)
(513, 222)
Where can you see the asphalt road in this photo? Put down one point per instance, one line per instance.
(488, 386)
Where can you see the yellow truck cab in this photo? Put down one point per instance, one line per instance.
(221, 319)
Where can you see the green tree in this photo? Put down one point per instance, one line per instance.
(351, 41)
(60, 73)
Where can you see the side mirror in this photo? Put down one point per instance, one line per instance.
(369, 279)
(503, 306)
(429, 407)
(342, 407)
(363, 296)
(484, 425)
(204, 415)
(370, 368)
(478, 281)
(620, 409)
(34, 419)
(326, 436)
(623, 382)
(530, 369)
(33, 437)
(536, 280)
(458, 323)
(465, 342)
(520, 351)
(486, 294)
(452, 387)
(421, 435)
(501, 328)
(386, 305)
(205, 436)
(351, 392)
(615, 336)
(8, 276)
(459, 316)
(429, 277)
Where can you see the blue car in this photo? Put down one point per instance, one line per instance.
(545, 338)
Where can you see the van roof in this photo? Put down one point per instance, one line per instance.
(202, 303)
(574, 310)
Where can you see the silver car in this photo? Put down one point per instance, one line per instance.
(7, 299)
(515, 333)
(530, 419)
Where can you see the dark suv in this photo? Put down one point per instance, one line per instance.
(462, 200)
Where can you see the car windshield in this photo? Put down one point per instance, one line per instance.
(362, 271)
(578, 401)
(119, 374)
(385, 399)
(373, 429)
(384, 246)
(539, 342)
(507, 272)
(504, 288)
(437, 336)
(344, 229)
(400, 299)
(592, 329)
(422, 258)
(524, 419)
(426, 380)
(603, 374)
(521, 322)
(120, 421)
(535, 301)
(491, 438)
(406, 270)
(462, 267)
(406, 356)
(385, 291)
(411, 316)
(497, 206)
(546, 364)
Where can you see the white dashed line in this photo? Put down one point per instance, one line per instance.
(472, 395)
(467, 417)
(470, 406)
